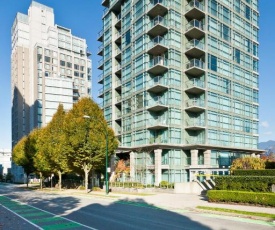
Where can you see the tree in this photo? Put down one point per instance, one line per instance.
(86, 137)
(52, 143)
(248, 163)
(24, 152)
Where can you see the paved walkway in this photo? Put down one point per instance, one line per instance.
(174, 201)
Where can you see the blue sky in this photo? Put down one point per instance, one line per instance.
(84, 18)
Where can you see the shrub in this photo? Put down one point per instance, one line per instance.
(260, 172)
(96, 189)
(245, 183)
(166, 184)
(127, 184)
(248, 163)
(81, 187)
(266, 199)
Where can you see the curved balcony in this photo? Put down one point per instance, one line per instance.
(195, 9)
(100, 64)
(100, 50)
(195, 105)
(100, 36)
(118, 54)
(157, 7)
(157, 46)
(115, 5)
(118, 21)
(158, 26)
(158, 65)
(195, 67)
(194, 29)
(195, 48)
(118, 69)
(100, 92)
(100, 78)
(195, 124)
(195, 86)
(118, 37)
(118, 84)
(157, 84)
(157, 103)
(105, 3)
(118, 99)
(157, 122)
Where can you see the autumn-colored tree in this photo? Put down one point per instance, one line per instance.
(24, 151)
(86, 131)
(122, 166)
(248, 163)
(52, 143)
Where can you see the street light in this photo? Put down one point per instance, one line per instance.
(106, 154)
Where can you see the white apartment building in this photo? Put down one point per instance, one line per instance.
(5, 161)
(49, 66)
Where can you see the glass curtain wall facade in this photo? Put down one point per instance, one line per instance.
(180, 84)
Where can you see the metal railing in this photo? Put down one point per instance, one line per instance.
(158, 100)
(100, 77)
(158, 80)
(157, 41)
(194, 4)
(195, 122)
(158, 120)
(195, 63)
(158, 20)
(195, 102)
(195, 43)
(194, 23)
(194, 83)
(159, 60)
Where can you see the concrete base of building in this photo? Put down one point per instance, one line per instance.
(188, 187)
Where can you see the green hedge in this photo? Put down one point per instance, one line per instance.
(266, 199)
(245, 183)
(269, 165)
(126, 184)
(260, 172)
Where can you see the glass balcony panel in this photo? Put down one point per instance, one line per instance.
(100, 64)
(195, 86)
(158, 84)
(195, 105)
(195, 48)
(195, 67)
(195, 124)
(157, 7)
(195, 9)
(158, 122)
(195, 29)
(158, 65)
(157, 46)
(157, 26)
(157, 103)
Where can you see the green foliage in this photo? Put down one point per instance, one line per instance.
(245, 183)
(261, 172)
(248, 163)
(166, 184)
(96, 189)
(267, 199)
(81, 187)
(126, 184)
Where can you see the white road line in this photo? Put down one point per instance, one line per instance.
(60, 216)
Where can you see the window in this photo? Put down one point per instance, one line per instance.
(237, 55)
(62, 63)
(47, 59)
(69, 65)
(76, 66)
(127, 38)
(212, 62)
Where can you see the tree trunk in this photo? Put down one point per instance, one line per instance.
(60, 180)
(27, 180)
(86, 171)
(41, 180)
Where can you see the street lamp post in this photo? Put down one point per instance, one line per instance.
(106, 155)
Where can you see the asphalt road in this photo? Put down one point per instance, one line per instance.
(25, 209)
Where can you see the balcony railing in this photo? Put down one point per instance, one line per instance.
(99, 35)
(159, 60)
(195, 43)
(194, 24)
(118, 83)
(195, 102)
(158, 20)
(100, 77)
(158, 80)
(195, 4)
(158, 120)
(194, 83)
(157, 41)
(158, 100)
(195, 122)
(195, 63)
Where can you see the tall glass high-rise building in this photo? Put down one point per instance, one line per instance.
(180, 84)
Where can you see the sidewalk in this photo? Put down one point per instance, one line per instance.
(174, 201)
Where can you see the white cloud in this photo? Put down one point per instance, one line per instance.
(264, 124)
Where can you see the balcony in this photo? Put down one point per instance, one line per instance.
(100, 50)
(195, 124)
(157, 7)
(100, 78)
(118, 99)
(118, 54)
(157, 84)
(195, 86)
(105, 3)
(118, 84)
(75, 88)
(158, 140)
(157, 46)
(100, 92)
(115, 5)
(194, 141)
(195, 48)
(118, 37)
(194, 9)
(118, 69)
(158, 26)
(194, 29)
(158, 65)
(100, 36)
(105, 12)
(158, 122)
(118, 115)
(75, 95)
(118, 21)
(157, 103)
(100, 64)
(195, 105)
(195, 67)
